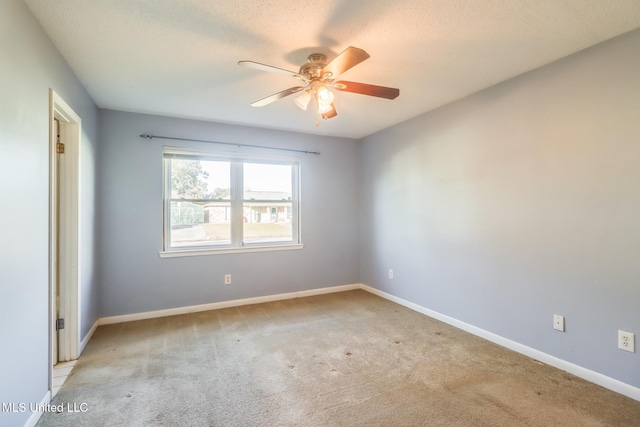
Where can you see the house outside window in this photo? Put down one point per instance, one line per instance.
(214, 202)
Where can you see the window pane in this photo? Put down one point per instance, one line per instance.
(267, 182)
(200, 223)
(201, 215)
(267, 207)
(267, 221)
(200, 179)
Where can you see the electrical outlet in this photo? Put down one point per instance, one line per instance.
(390, 274)
(626, 341)
(558, 322)
(227, 279)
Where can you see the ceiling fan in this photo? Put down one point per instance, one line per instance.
(319, 76)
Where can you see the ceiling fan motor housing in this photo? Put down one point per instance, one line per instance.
(313, 68)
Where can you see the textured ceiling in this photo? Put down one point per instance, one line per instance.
(179, 58)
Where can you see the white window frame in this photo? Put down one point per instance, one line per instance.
(237, 243)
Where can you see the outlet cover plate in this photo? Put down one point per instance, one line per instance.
(558, 322)
(626, 341)
(227, 279)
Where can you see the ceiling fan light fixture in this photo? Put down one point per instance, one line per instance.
(325, 96)
(302, 101)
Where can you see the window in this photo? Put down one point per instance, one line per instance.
(222, 203)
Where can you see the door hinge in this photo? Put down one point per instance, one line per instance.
(60, 148)
(59, 324)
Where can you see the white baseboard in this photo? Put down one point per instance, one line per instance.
(224, 304)
(587, 374)
(86, 339)
(35, 416)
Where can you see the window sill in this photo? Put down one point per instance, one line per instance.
(201, 252)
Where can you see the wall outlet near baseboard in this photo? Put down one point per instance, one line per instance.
(390, 274)
(558, 322)
(626, 341)
(227, 279)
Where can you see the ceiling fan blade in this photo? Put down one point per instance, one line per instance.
(348, 58)
(271, 69)
(276, 96)
(331, 113)
(367, 89)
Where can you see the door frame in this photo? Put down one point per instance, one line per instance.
(64, 231)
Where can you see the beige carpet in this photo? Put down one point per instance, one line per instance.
(344, 359)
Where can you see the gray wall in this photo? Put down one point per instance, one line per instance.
(29, 66)
(517, 203)
(132, 276)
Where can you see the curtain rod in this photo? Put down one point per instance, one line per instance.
(145, 135)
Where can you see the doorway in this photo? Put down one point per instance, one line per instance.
(64, 226)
